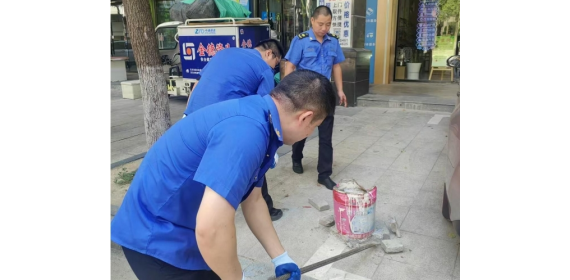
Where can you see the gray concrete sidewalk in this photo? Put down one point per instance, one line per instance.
(393, 149)
(403, 156)
(127, 125)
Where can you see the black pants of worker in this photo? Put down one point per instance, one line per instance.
(265, 194)
(146, 267)
(325, 148)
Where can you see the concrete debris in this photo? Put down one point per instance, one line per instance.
(392, 246)
(350, 187)
(382, 233)
(327, 221)
(393, 225)
(319, 204)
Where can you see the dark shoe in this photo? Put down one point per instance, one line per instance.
(327, 182)
(297, 167)
(275, 214)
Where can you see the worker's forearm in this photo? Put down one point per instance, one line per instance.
(257, 217)
(289, 68)
(218, 247)
(337, 74)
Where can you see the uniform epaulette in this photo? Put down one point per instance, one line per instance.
(303, 35)
(332, 35)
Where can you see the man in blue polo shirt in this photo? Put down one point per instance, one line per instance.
(235, 73)
(177, 218)
(319, 51)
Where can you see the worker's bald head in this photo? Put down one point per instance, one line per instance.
(304, 98)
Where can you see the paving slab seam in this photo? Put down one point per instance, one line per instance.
(409, 207)
(127, 160)
(378, 267)
(421, 267)
(455, 240)
(137, 135)
(431, 170)
(455, 263)
(373, 144)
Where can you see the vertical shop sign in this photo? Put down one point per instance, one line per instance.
(427, 24)
(341, 20)
(370, 33)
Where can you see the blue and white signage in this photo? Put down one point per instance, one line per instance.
(370, 33)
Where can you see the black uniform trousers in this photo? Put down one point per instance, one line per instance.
(146, 267)
(325, 148)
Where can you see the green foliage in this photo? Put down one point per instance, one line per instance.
(448, 9)
(124, 177)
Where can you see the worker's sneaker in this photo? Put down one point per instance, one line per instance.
(275, 214)
(297, 167)
(327, 182)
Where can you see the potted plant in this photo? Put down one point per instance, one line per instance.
(414, 65)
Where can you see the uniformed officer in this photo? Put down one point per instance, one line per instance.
(320, 51)
(235, 73)
(177, 218)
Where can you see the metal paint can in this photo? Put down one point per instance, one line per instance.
(354, 213)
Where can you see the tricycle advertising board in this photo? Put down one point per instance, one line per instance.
(199, 43)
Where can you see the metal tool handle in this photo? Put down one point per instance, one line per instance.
(322, 263)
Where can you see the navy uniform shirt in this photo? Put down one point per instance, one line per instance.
(306, 52)
(231, 73)
(227, 146)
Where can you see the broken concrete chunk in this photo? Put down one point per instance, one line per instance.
(319, 204)
(382, 233)
(350, 187)
(392, 246)
(393, 225)
(351, 244)
(327, 221)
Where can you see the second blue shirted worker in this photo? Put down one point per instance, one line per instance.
(319, 51)
(177, 220)
(235, 73)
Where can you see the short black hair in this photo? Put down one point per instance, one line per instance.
(322, 10)
(271, 44)
(309, 90)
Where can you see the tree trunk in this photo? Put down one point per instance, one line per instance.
(151, 76)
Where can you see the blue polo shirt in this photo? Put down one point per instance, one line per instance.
(227, 146)
(306, 52)
(231, 73)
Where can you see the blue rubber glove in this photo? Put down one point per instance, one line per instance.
(284, 264)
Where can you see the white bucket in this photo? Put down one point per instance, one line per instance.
(413, 70)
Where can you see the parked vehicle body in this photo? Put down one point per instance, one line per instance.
(451, 197)
(186, 47)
